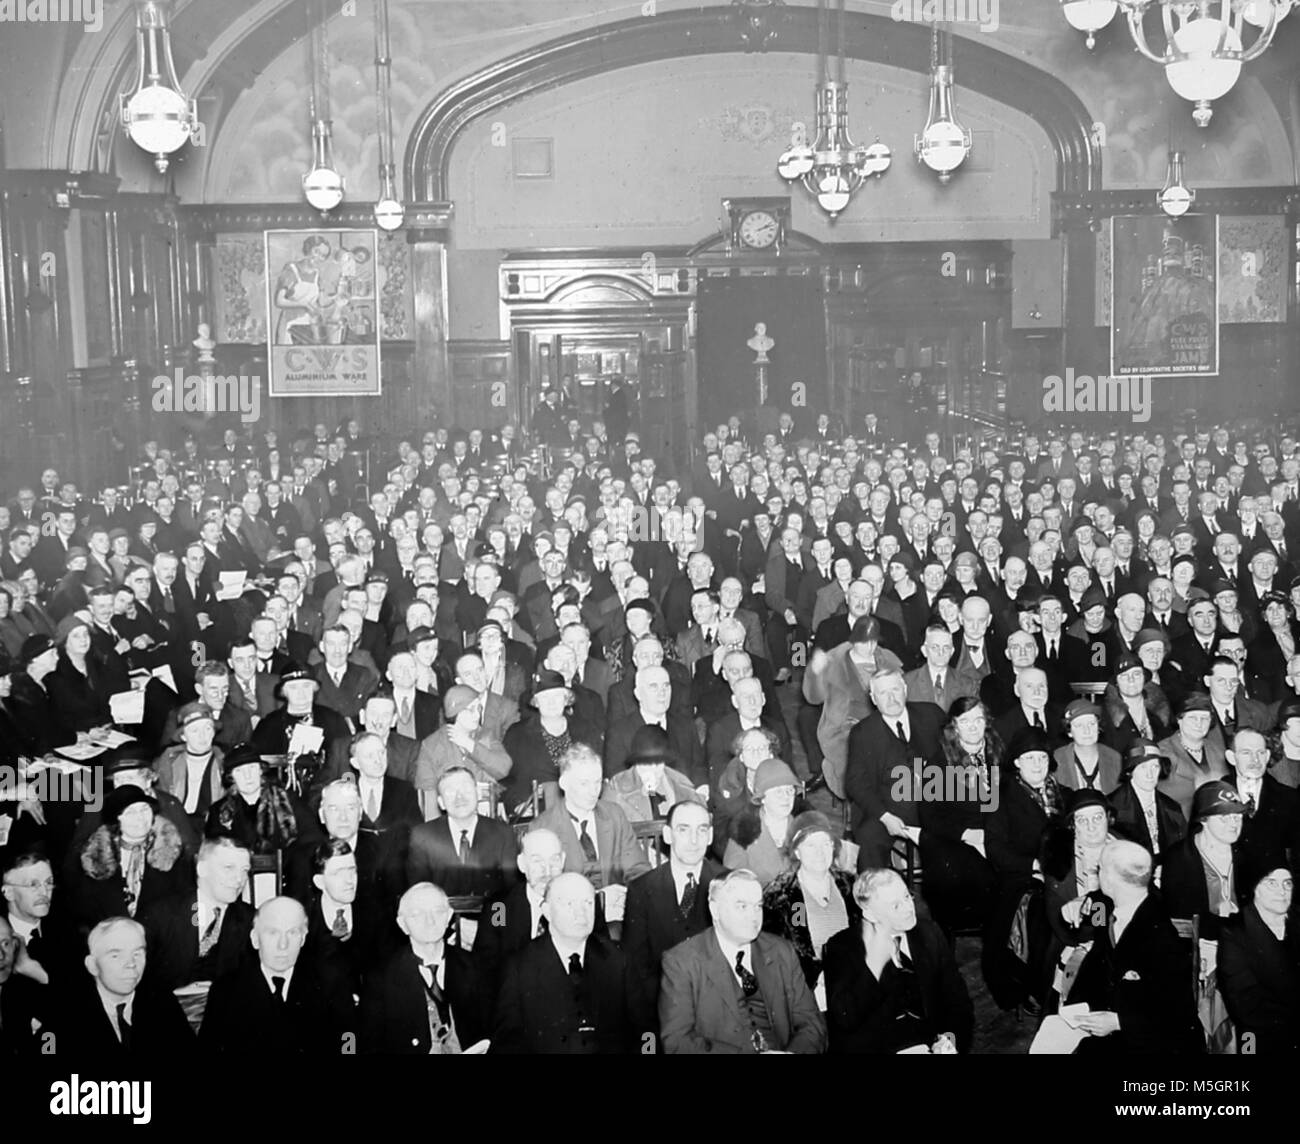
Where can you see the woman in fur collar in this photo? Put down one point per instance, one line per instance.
(1135, 706)
(133, 859)
(761, 832)
(813, 901)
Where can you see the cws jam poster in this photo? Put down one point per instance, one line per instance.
(1164, 296)
(322, 313)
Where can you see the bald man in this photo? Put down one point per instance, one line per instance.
(567, 991)
(1134, 979)
(430, 998)
(274, 1005)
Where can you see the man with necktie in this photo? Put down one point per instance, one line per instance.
(1272, 812)
(568, 991)
(114, 1012)
(430, 997)
(735, 989)
(463, 852)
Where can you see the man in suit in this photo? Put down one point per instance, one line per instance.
(430, 997)
(735, 989)
(390, 808)
(1031, 709)
(833, 682)
(883, 752)
(114, 1013)
(597, 838)
(568, 991)
(1134, 979)
(653, 691)
(1271, 825)
(344, 686)
(1231, 712)
(747, 698)
(274, 1003)
(936, 681)
(460, 851)
(512, 918)
(669, 904)
(202, 935)
(892, 982)
(23, 1002)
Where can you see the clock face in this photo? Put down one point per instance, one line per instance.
(759, 229)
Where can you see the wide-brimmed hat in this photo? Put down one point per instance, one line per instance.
(650, 745)
(117, 802)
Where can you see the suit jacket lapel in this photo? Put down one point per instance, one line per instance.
(724, 981)
(772, 989)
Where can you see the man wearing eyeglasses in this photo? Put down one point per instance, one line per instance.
(45, 950)
(1272, 819)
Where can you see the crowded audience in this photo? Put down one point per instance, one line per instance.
(472, 743)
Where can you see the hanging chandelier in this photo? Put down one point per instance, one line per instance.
(833, 167)
(323, 186)
(157, 115)
(1174, 198)
(389, 211)
(1203, 51)
(945, 143)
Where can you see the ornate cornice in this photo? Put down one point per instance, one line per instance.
(1000, 76)
(217, 218)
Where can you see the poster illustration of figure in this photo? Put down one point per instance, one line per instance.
(322, 313)
(1164, 302)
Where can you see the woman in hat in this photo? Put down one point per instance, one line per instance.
(1085, 763)
(652, 782)
(1071, 863)
(276, 732)
(959, 789)
(1016, 937)
(119, 554)
(1259, 967)
(460, 741)
(536, 743)
(1143, 813)
(735, 787)
(761, 833)
(1202, 877)
(1152, 648)
(1194, 755)
(1276, 643)
(1182, 574)
(812, 901)
(256, 811)
(1134, 706)
(131, 860)
(1285, 743)
(78, 689)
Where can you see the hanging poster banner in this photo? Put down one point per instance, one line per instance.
(1164, 296)
(321, 323)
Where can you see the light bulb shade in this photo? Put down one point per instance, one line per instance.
(876, 159)
(1198, 73)
(795, 163)
(833, 192)
(389, 214)
(1089, 16)
(1175, 201)
(158, 119)
(1257, 13)
(323, 188)
(943, 146)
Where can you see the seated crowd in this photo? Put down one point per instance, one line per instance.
(562, 751)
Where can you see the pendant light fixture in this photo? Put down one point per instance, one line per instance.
(323, 186)
(157, 115)
(945, 143)
(389, 211)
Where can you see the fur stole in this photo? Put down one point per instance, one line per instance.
(277, 825)
(101, 860)
(1153, 697)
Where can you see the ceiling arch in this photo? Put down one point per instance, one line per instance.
(995, 74)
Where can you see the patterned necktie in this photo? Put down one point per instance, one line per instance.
(464, 847)
(748, 982)
(339, 928)
(211, 934)
(689, 894)
(586, 842)
(543, 926)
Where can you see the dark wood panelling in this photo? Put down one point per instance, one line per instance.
(483, 389)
